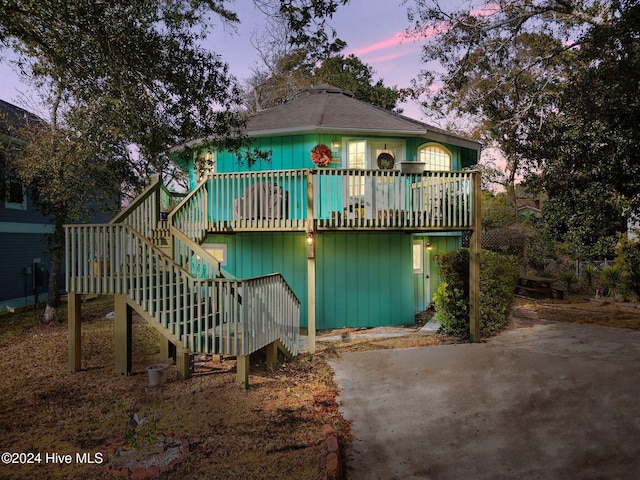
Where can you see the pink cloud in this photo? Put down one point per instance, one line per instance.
(396, 40)
(486, 10)
(392, 56)
(401, 37)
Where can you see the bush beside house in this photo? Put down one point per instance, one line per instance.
(498, 275)
(622, 280)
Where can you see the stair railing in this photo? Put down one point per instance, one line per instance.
(190, 216)
(234, 317)
(144, 211)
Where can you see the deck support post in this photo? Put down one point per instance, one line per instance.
(272, 355)
(474, 262)
(311, 298)
(75, 331)
(183, 363)
(164, 348)
(242, 367)
(122, 329)
(311, 268)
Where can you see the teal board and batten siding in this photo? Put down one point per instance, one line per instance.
(290, 152)
(363, 279)
(255, 254)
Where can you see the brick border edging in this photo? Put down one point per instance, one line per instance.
(333, 466)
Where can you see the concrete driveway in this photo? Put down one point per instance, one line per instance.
(551, 401)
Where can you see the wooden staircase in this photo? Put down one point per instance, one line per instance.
(155, 269)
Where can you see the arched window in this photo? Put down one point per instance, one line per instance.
(435, 157)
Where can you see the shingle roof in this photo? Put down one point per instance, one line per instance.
(330, 109)
(13, 118)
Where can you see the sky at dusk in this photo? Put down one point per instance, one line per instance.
(373, 30)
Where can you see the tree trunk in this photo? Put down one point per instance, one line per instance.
(57, 252)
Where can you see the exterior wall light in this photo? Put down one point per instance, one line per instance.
(311, 246)
(335, 144)
(428, 247)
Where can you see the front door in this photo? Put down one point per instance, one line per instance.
(421, 273)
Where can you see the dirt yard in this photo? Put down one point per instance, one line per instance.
(576, 309)
(271, 431)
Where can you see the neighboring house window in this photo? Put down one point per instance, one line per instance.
(15, 195)
(435, 157)
(217, 251)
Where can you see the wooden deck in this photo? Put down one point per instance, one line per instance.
(328, 199)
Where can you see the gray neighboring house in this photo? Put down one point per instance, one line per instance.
(23, 230)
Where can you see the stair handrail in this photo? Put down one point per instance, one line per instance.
(195, 227)
(116, 250)
(283, 309)
(192, 257)
(143, 211)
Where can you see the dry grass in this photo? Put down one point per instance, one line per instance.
(583, 310)
(270, 431)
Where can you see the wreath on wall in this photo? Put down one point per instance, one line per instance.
(321, 155)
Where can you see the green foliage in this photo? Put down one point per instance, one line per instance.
(589, 274)
(496, 211)
(141, 431)
(568, 277)
(134, 69)
(287, 75)
(611, 280)
(350, 73)
(516, 69)
(452, 296)
(628, 262)
(498, 275)
(307, 20)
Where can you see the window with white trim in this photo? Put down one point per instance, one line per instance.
(217, 251)
(435, 157)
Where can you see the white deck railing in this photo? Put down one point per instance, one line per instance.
(234, 317)
(355, 199)
(378, 199)
(263, 200)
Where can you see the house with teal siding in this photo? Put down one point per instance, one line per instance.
(338, 227)
(375, 235)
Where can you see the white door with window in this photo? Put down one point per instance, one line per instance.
(421, 273)
(356, 159)
(364, 197)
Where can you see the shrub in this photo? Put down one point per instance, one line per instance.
(589, 277)
(498, 275)
(611, 281)
(628, 262)
(569, 278)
